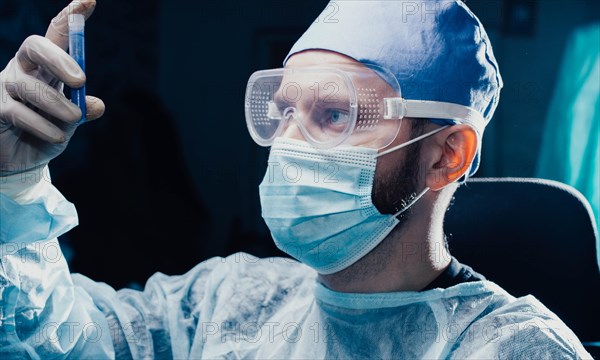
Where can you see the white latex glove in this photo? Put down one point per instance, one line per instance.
(36, 119)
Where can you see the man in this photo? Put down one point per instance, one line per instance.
(371, 123)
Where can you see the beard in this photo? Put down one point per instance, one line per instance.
(393, 191)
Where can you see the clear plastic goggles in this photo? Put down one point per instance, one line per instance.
(346, 105)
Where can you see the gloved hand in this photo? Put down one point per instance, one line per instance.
(36, 119)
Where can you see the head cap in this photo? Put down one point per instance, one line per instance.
(437, 49)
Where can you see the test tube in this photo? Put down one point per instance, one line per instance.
(77, 52)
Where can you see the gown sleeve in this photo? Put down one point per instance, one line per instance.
(47, 312)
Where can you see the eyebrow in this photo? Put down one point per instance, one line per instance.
(340, 96)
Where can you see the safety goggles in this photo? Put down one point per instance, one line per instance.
(354, 105)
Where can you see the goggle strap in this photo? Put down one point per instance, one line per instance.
(397, 108)
(394, 108)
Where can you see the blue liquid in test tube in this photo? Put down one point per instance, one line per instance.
(77, 52)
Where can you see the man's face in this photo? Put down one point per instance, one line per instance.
(397, 173)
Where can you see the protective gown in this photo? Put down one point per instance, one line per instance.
(241, 307)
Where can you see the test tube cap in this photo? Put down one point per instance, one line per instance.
(76, 22)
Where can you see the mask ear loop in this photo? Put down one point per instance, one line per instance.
(413, 201)
(418, 138)
(411, 141)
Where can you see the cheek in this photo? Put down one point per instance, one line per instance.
(388, 165)
(378, 194)
(387, 172)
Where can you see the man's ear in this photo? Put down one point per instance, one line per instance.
(455, 150)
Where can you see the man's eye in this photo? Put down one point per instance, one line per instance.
(337, 117)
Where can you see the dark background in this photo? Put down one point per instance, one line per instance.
(169, 176)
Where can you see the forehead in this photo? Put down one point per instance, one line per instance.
(360, 74)
(319, 57)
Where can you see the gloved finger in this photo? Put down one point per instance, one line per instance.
(95, 108)
(24, 118)
(58, 31)
(44, 97)
(39, 51)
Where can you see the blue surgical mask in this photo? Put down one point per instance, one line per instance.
(317, 203)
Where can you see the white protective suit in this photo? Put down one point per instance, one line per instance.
(241, 307)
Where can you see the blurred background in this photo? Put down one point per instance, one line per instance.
(169, 176)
